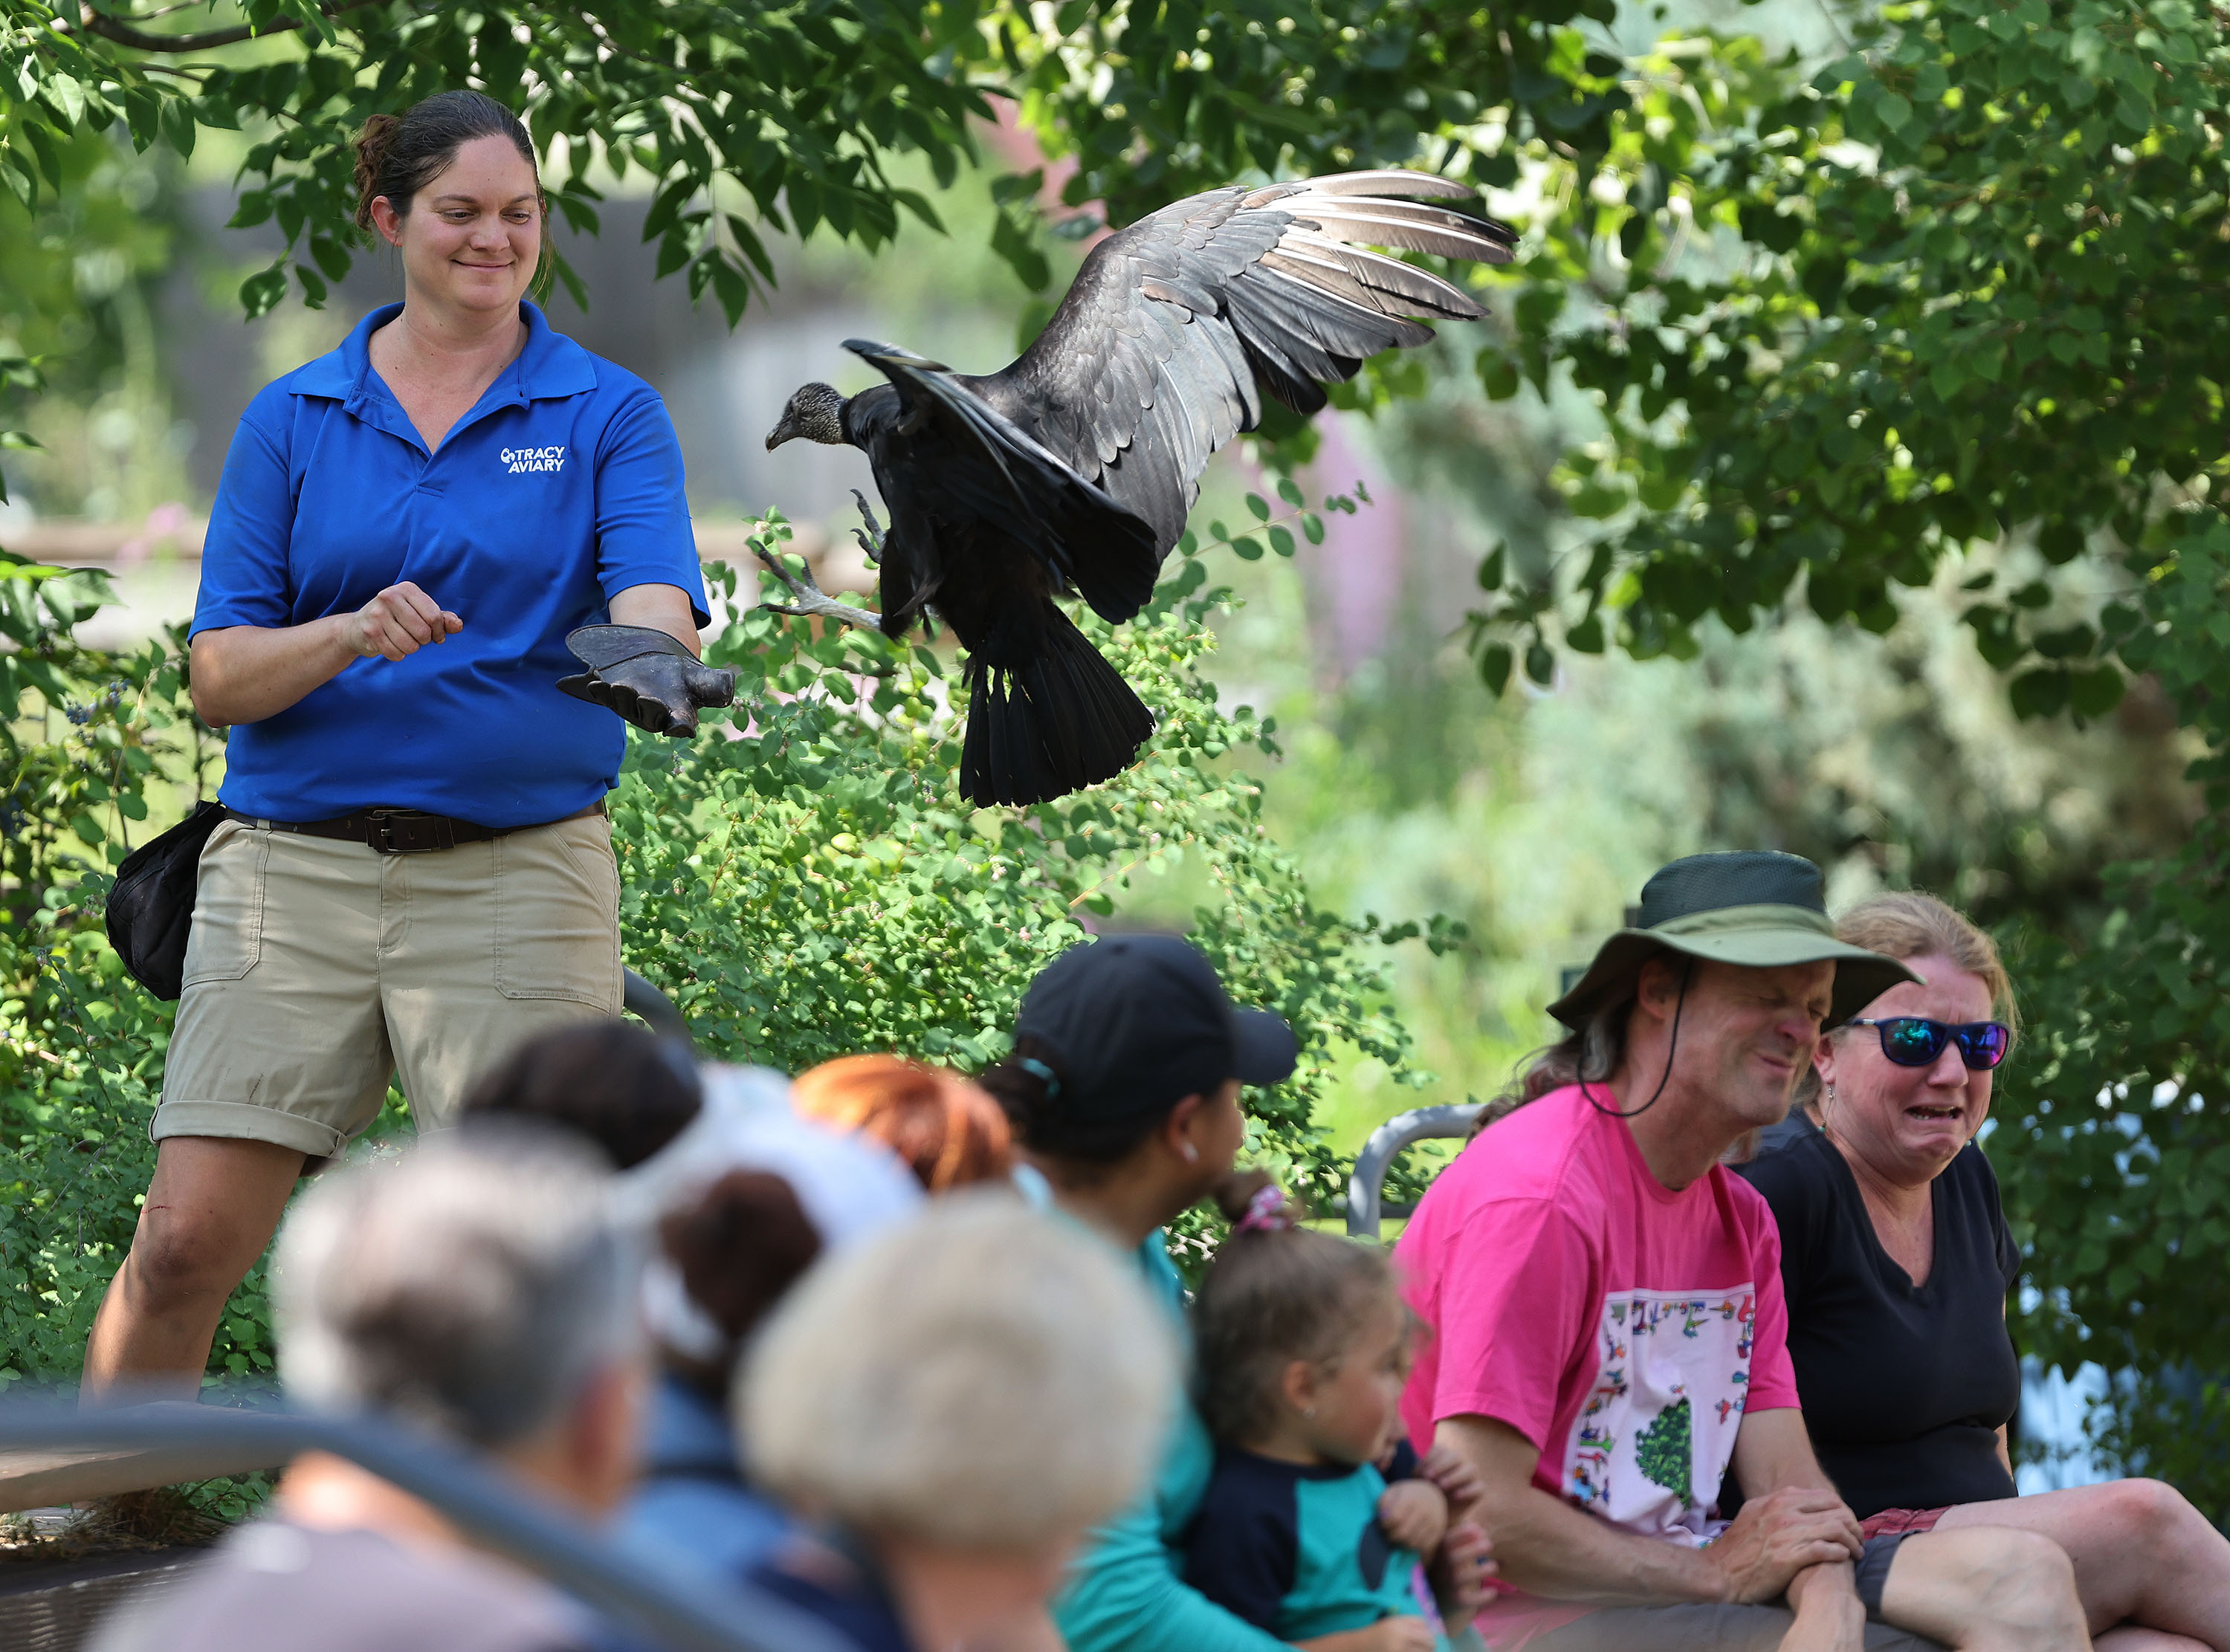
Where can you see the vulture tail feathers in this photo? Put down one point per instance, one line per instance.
(1057, 719)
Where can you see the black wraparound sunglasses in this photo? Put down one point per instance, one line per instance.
(1911, 1041)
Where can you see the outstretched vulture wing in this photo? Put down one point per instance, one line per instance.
(1159, 353)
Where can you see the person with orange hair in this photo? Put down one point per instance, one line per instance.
(949, 1131)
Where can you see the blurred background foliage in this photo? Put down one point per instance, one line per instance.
(1837, 474)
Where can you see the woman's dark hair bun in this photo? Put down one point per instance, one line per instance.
(607, 1078)
(372, 146)
(1045, 1115)
(396, 156)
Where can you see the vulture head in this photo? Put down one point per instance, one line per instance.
(816, 412)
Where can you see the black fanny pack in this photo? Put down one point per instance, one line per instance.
(152, 908)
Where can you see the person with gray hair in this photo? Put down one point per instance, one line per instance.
(479, 1289)
(957, 1401)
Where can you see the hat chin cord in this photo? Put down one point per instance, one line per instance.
(1672, 1050)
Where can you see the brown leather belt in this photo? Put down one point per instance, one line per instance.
(403, 832)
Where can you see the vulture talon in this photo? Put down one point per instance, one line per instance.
(813, 602)
(870, 536)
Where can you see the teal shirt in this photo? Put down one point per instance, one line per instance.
(1128, 1593)
(1299, 1551)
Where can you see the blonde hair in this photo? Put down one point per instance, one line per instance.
(982, 1377)
(949, 1131)
(1910, 923)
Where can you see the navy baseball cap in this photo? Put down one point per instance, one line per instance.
(1138, 1022)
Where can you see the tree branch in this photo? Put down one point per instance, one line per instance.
(813, 602)
(122, 31)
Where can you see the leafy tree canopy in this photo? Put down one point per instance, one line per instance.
(1961, 286)
(781, 117)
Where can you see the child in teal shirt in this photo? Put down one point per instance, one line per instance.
(1303, 1345)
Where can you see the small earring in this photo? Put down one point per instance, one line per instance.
(1191, 1153)
(1308, 1411)
(1830, 1100)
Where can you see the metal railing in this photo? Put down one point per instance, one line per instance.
(674, 1611)
(656, 1011)
(1365, 1206)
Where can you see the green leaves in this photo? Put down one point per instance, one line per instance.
(1013, 242)
(815, 886)
(1273, 527)
(788, 111)
(91, 737)
(1157, 104)
(1992, 330)
(18, 373)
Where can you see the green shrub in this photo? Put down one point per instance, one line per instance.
(803, 880)
(95, 738)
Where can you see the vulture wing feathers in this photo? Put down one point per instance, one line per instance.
(997, 472)
(1160, 352)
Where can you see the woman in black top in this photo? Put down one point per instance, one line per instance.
(1897, 1264)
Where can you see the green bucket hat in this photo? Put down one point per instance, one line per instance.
(1756, 908)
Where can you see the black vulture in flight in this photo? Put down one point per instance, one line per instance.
(1074, 468)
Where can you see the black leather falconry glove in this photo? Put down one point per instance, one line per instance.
(648, 678)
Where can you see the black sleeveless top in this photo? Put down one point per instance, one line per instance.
(1903, 1389)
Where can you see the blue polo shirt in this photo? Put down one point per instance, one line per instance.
(560, 489)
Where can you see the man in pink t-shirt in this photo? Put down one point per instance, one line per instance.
(1609, 1336)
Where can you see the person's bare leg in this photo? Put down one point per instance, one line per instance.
(212, 1206)
(2146, 1639)
(2143, 1555)
(1987, 1589)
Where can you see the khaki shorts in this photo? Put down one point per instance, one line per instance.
(317, 970)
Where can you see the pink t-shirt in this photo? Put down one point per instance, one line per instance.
(1621, 1328)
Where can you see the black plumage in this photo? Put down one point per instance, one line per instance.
(1073, 469)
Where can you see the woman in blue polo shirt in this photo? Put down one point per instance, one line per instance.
(414, 871)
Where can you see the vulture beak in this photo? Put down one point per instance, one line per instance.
(782, 433)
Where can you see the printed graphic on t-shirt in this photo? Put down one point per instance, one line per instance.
(1652, 1441)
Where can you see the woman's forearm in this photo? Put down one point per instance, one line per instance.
(247, 673)
(661, 607)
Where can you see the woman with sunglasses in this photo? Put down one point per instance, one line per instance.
(1898, 1263)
